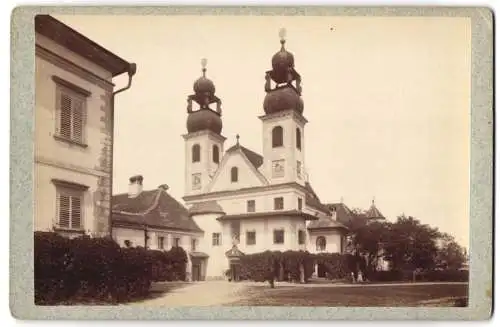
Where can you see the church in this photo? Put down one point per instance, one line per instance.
(240, 201)
(248, 202)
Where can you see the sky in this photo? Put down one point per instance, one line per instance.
(387, 100)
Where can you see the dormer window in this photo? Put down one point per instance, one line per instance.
(234, 175)
(277, 136)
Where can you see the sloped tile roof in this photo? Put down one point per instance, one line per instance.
(374, 213)
(313, 200)
(255, 158)
(153, 208)
(326, 223)
(205, 207)
(342, 212)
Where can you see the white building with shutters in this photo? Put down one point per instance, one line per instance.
(73, 129)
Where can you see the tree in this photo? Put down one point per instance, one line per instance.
(366, 239)
(410, 244)
(450, 254)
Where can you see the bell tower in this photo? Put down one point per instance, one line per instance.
(204, 143)
(283, 123)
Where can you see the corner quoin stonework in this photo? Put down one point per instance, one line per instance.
(102, 194)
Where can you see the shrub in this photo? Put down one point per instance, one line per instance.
(287, 266)
(336, 264)
(98, 269)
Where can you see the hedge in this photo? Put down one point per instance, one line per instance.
(283, 266)
(98, 269)
(338, 266)
(286, 266)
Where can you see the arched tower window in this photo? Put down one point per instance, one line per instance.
(321, 243)
(195, 153)
(277, 137)
(215, 153)
(234, 174)
(298, 139)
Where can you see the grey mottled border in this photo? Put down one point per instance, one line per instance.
(481, 172)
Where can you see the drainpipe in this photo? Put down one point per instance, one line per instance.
(132, 69)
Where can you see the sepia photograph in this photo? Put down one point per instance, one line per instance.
(252, 161)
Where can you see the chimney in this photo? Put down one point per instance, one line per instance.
(135, 186)
(163, 187)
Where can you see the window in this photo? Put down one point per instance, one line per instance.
(161, 242)
(277, 136)
(251, 238)
(215, 153)
(321, 243)
(196, 181)
(193, 244)
(299, 204)
(195, 153)
(234, 174)
(279, 236)
(177, 242)
(71, 110)
(216, 241)
(298, 139)
(278, 203)
(302, 237)
(69, 203)
(299, 169)
(251, 206)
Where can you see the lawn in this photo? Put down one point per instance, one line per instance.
(364, 296)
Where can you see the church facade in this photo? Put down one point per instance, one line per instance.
(248, 202)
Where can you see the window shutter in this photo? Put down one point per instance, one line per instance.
(78, 117)
(76, 212)
(65, 115)
(64, 210)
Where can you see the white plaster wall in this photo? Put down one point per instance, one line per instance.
(58, 159)
(264, 228)
(45, 196)
(264, 201)
(47, 148)
(333, 241)
(247, 176)
(288, 151)
(71, 56)
(136, 236)
(206, 167)
(217, 262)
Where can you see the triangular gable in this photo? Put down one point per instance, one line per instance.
(248, 174)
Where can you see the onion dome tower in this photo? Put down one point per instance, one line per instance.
(204, 142)
(283, 122)
(204, 118)
(286, 93)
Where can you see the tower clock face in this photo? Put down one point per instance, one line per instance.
(278, 168)
(196, 181)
